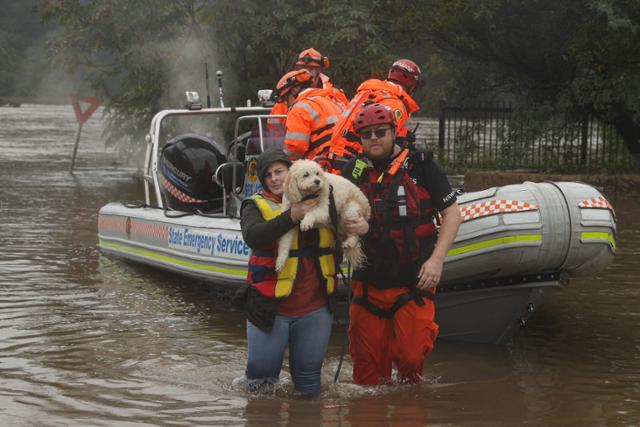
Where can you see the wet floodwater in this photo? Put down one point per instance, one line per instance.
(89, 340)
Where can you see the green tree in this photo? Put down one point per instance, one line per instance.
(21, 48)
(572, 55)
(139, 56)
(259, 39)
(550, 56)
(128, 53)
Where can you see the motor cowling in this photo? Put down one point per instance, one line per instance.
(186, 173)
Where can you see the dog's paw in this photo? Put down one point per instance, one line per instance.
(280, 264)
(306, 224)
(350, 242)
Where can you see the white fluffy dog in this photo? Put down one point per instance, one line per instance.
(307, 179)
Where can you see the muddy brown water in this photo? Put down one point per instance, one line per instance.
(89, 340)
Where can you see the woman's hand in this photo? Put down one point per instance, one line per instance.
(299, 210)
(356, 225)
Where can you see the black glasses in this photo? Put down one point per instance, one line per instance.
(379, 133)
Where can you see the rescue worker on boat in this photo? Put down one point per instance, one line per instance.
(291, 307)
(403, 79)
(392, 313)
(316, 63)
(311, 117)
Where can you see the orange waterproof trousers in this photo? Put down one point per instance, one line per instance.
(375, 343)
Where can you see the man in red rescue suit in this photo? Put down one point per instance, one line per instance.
(403, 79)
(392, 313)
(311, 117)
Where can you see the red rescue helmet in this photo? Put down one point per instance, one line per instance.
(407, 73)
(312, 58)
(374, 114)
(291, 80)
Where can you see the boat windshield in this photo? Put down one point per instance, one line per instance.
(272, 138)
(260, 133)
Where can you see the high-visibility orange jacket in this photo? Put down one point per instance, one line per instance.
(276, 125)
(280, 108)
(383, 91)
(310, 123)
(337, 95)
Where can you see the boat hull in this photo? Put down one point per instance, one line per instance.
(515, 243)
(199, 247)
(532, 228)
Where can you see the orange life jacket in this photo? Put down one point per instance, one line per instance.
(344, 143)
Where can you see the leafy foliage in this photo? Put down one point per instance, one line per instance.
(21, 48)
(139, 58)
(570, 55)
(541, 55)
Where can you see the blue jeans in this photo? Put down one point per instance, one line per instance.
(307, 337)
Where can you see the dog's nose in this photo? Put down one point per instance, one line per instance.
(316, 182)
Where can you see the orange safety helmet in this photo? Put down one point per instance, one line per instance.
(291, 80)
(407, 73)
(374, 114)
(312, 58)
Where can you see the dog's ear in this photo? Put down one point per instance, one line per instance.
(291, 188)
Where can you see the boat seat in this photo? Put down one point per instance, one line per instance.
(224, 177)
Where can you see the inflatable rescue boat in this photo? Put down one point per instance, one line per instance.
(514, 243)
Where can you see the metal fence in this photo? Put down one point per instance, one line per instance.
(502, 138)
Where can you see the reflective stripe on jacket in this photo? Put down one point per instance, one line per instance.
(262, 274)
(310, 123)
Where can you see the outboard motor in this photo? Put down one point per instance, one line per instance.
(186, 173)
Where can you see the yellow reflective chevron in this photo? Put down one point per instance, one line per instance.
(600, 235)
(268, 208)
(494, 242)
(328, 261)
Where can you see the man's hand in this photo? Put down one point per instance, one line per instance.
(299, 210)
(430, 273)
(356, 225)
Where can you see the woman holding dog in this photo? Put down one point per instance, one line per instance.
(290, 307)
(392, 313)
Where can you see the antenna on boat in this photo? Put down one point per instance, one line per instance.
(220, 93)
(206, 78)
